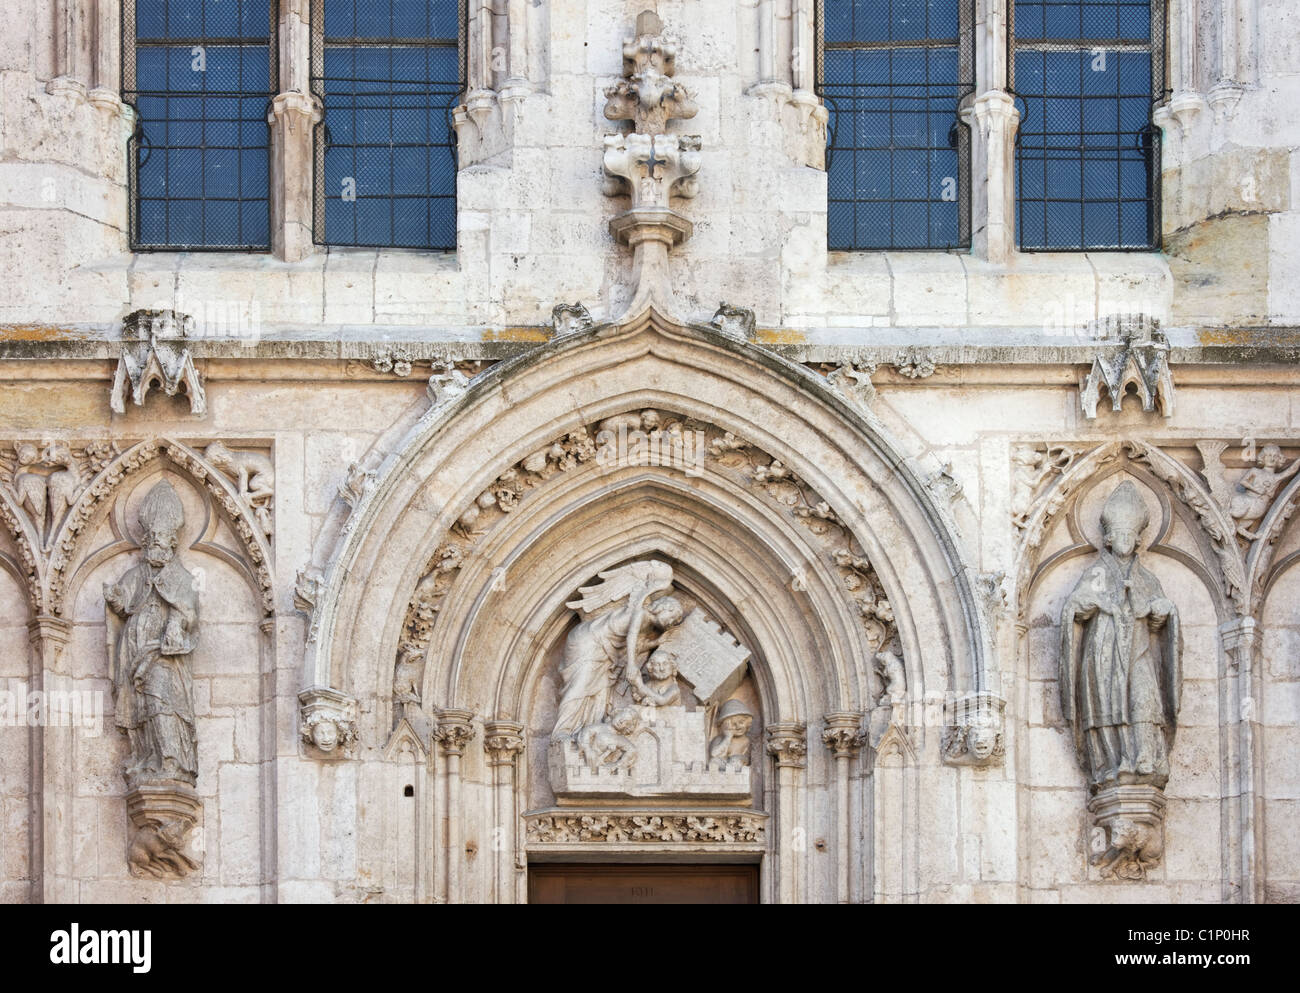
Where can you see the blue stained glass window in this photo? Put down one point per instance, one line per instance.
(388, 73)
(1086, 76)
(200, 74)
(893, 75)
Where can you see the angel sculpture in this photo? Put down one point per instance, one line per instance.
(1120, 681)
(608, 642)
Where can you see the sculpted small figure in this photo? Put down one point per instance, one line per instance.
(609, 746)
(729, 748)
(253, 474)
(1257, 487)
(661, 689)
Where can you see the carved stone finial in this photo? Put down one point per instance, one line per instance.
(570, 318)
(329, 721)
(307, 589)
(787, 741)
(153, 354)
(455, 730)
(1140, 360)
(735, 322)
(358, 483)
(843, 734)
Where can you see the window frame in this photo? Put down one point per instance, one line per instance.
(130, 94)
(968, 87)
(316, 57)
(1158, 47)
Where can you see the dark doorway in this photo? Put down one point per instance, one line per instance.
(556, 883)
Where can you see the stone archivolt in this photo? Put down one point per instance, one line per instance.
(647, 437)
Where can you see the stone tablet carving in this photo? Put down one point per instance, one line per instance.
(1120, 680)
(646, 741)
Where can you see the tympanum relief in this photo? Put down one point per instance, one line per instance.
(646, 706)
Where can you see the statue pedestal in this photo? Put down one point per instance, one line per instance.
(164, 816)
(1132, 818)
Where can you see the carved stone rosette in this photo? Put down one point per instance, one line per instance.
(329, 722)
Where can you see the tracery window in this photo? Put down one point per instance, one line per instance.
(200, 75)
(894, 75)
(1087, 74)
(388, 73)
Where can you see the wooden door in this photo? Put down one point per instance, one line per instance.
(559, 883)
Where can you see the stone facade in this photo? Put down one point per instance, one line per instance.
(876, 483)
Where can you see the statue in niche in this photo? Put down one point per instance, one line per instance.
(1121, 679)
(153, 615)
(606, 645)
(729, 748)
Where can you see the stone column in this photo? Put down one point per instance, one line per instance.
(504, 743)
(993, 120)
(74, 33)
(53, 776)
(293, 119)
(1239, 706)
(787, 742)
(843, 735)
(455, 731)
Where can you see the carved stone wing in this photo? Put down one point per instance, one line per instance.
(637, 579)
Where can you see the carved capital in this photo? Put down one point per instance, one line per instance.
(454, 731)
(843, 734)
(787, 742)
(503, 741)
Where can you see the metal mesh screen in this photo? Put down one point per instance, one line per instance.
(388, 73)
(200, 75)
(1086, 75)
(894, 75)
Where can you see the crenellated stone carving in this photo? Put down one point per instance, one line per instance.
(1140, 360)
(328, 722)
(657, 828)
(254, 477)
(1120, 684)
(154, 354)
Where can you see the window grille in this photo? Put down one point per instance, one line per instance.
(1086, 76)
(200, 75)
(388, 73)
(895, 76)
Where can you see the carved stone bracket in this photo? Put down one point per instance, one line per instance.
(1131, 837)
(973, 730)
(154, 354)
(1141, 361)
(328, 722)
(163, 820)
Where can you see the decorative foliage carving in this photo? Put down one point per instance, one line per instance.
(620, 828)
(914, 363)
(787, 742)
(852, 380)
(1032, 469)
(396, 360)
(646, 95)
